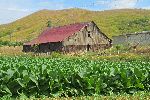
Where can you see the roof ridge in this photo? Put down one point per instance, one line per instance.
(69, 24)
(60, 33)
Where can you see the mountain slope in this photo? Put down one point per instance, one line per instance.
(111, 22)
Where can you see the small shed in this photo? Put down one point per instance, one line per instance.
(85, 36)
(139, 38)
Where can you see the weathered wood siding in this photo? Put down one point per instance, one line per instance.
(27, 48)
(89, 35)
(44, 47)
(48, 47)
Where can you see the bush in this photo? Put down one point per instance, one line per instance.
(7, 43)
(55, 54)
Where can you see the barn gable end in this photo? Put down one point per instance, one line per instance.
(88, 38)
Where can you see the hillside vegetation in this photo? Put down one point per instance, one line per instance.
(111, 22)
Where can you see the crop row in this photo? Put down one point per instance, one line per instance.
(71, 77)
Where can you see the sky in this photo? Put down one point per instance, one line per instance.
(11, 10)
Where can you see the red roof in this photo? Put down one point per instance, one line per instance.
(57, 34)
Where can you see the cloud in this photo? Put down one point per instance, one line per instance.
(101, 2)
(119, 4)
(10, 15)
(148, 7)
(15, 9)
(50, 5)
(12, 10)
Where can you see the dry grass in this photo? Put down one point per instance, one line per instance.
(143, 50)
(141, 53)
(6, 50)
(99, 98)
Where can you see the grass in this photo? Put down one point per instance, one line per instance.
(111, 22)
(6, 50)
(137, 96)
(142, 53)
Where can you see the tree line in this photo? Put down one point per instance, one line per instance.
(8, 43)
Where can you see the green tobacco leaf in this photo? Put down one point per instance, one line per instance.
(79, 83)
(112, 71)
(33, 79)
(140, 85)
(10, 73)
(137, 72)
(19, 80)
(25, 73)
(6, 90)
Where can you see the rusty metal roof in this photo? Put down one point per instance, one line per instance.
(57, 34)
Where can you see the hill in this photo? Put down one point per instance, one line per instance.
(111, 22)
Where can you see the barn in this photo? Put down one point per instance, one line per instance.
(84, 36)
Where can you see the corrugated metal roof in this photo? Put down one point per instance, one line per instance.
(57, 34)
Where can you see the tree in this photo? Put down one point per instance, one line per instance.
(49, 24)
(118, 47)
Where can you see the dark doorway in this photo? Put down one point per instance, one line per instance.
(88, 47)
(89, 35)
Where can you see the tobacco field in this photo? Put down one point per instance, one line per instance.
(65, 77)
